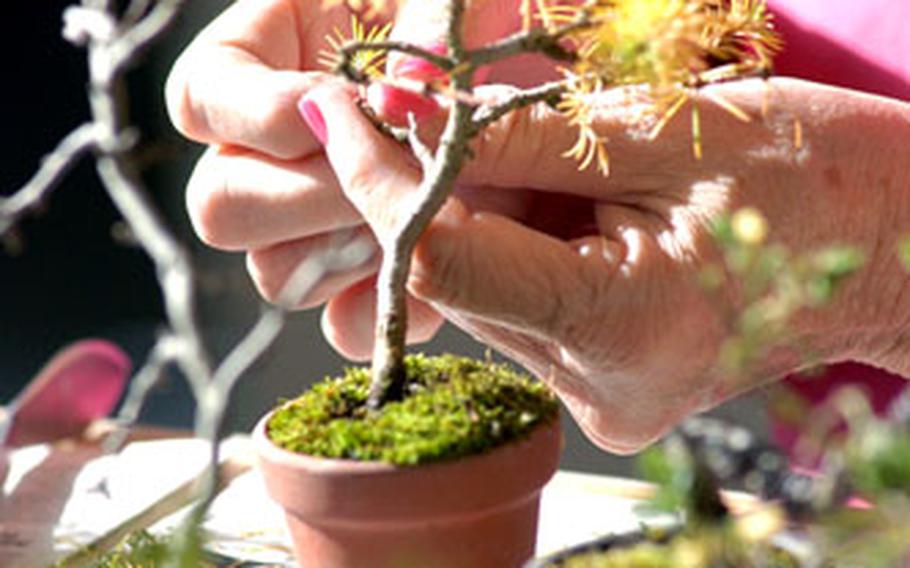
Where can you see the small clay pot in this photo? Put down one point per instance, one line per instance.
(474, 512)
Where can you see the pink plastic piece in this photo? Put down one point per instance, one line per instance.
(81, 383)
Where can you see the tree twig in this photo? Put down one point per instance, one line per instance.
(350, 49)
(534, 40)
(486, 115)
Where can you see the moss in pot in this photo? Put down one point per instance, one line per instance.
(448, 476)
(454, 407)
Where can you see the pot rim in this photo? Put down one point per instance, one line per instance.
(265, 447)
(327, 487)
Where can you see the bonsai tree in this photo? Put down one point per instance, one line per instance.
(851, 513)
(671, 47)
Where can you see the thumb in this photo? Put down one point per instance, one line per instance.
(497, 270)
(529, 147)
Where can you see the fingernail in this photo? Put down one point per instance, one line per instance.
(395, 104)
(413, 67)
(310, 112)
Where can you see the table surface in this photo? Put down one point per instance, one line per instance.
(58, 498)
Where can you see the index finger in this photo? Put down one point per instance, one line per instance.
(375, 173)
(239, 81)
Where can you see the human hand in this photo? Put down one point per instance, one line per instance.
(592, 282)
(264, 187)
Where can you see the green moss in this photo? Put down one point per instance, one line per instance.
(645, 555)
(714, 547)
(453, 407)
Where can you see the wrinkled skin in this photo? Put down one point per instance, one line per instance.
(590, 282)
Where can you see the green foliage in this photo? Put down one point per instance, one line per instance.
(710, 538)
(140, 550)
(773, 284)
(683, 484)
(453, 407)
(673, 476)
(645, 555)
(875, 538)
(879, 460)
(828, 268)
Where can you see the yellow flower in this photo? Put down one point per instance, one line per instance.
(749, 226)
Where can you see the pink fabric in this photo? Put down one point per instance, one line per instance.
(862, 45)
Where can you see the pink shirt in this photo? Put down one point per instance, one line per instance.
(864, 45)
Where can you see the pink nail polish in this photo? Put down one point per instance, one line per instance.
(395, 104)
(417, 68)
(314, 119)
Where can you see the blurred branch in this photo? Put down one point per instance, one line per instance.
(143, 382)
(54, 168)
(112, 46)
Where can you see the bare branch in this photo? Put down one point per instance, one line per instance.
(163, 353)
(534, 40)
(112, 46)
(144, 32)
(175, 273)
(53, 168)
(91, 22)
(250, 349)
(453, 34)
(549, 93)
(351, 49)
(135, 11)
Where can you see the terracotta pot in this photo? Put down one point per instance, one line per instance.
(474, 512)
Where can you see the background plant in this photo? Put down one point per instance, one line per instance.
(772, 284)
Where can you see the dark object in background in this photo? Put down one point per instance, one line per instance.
(66, 278)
